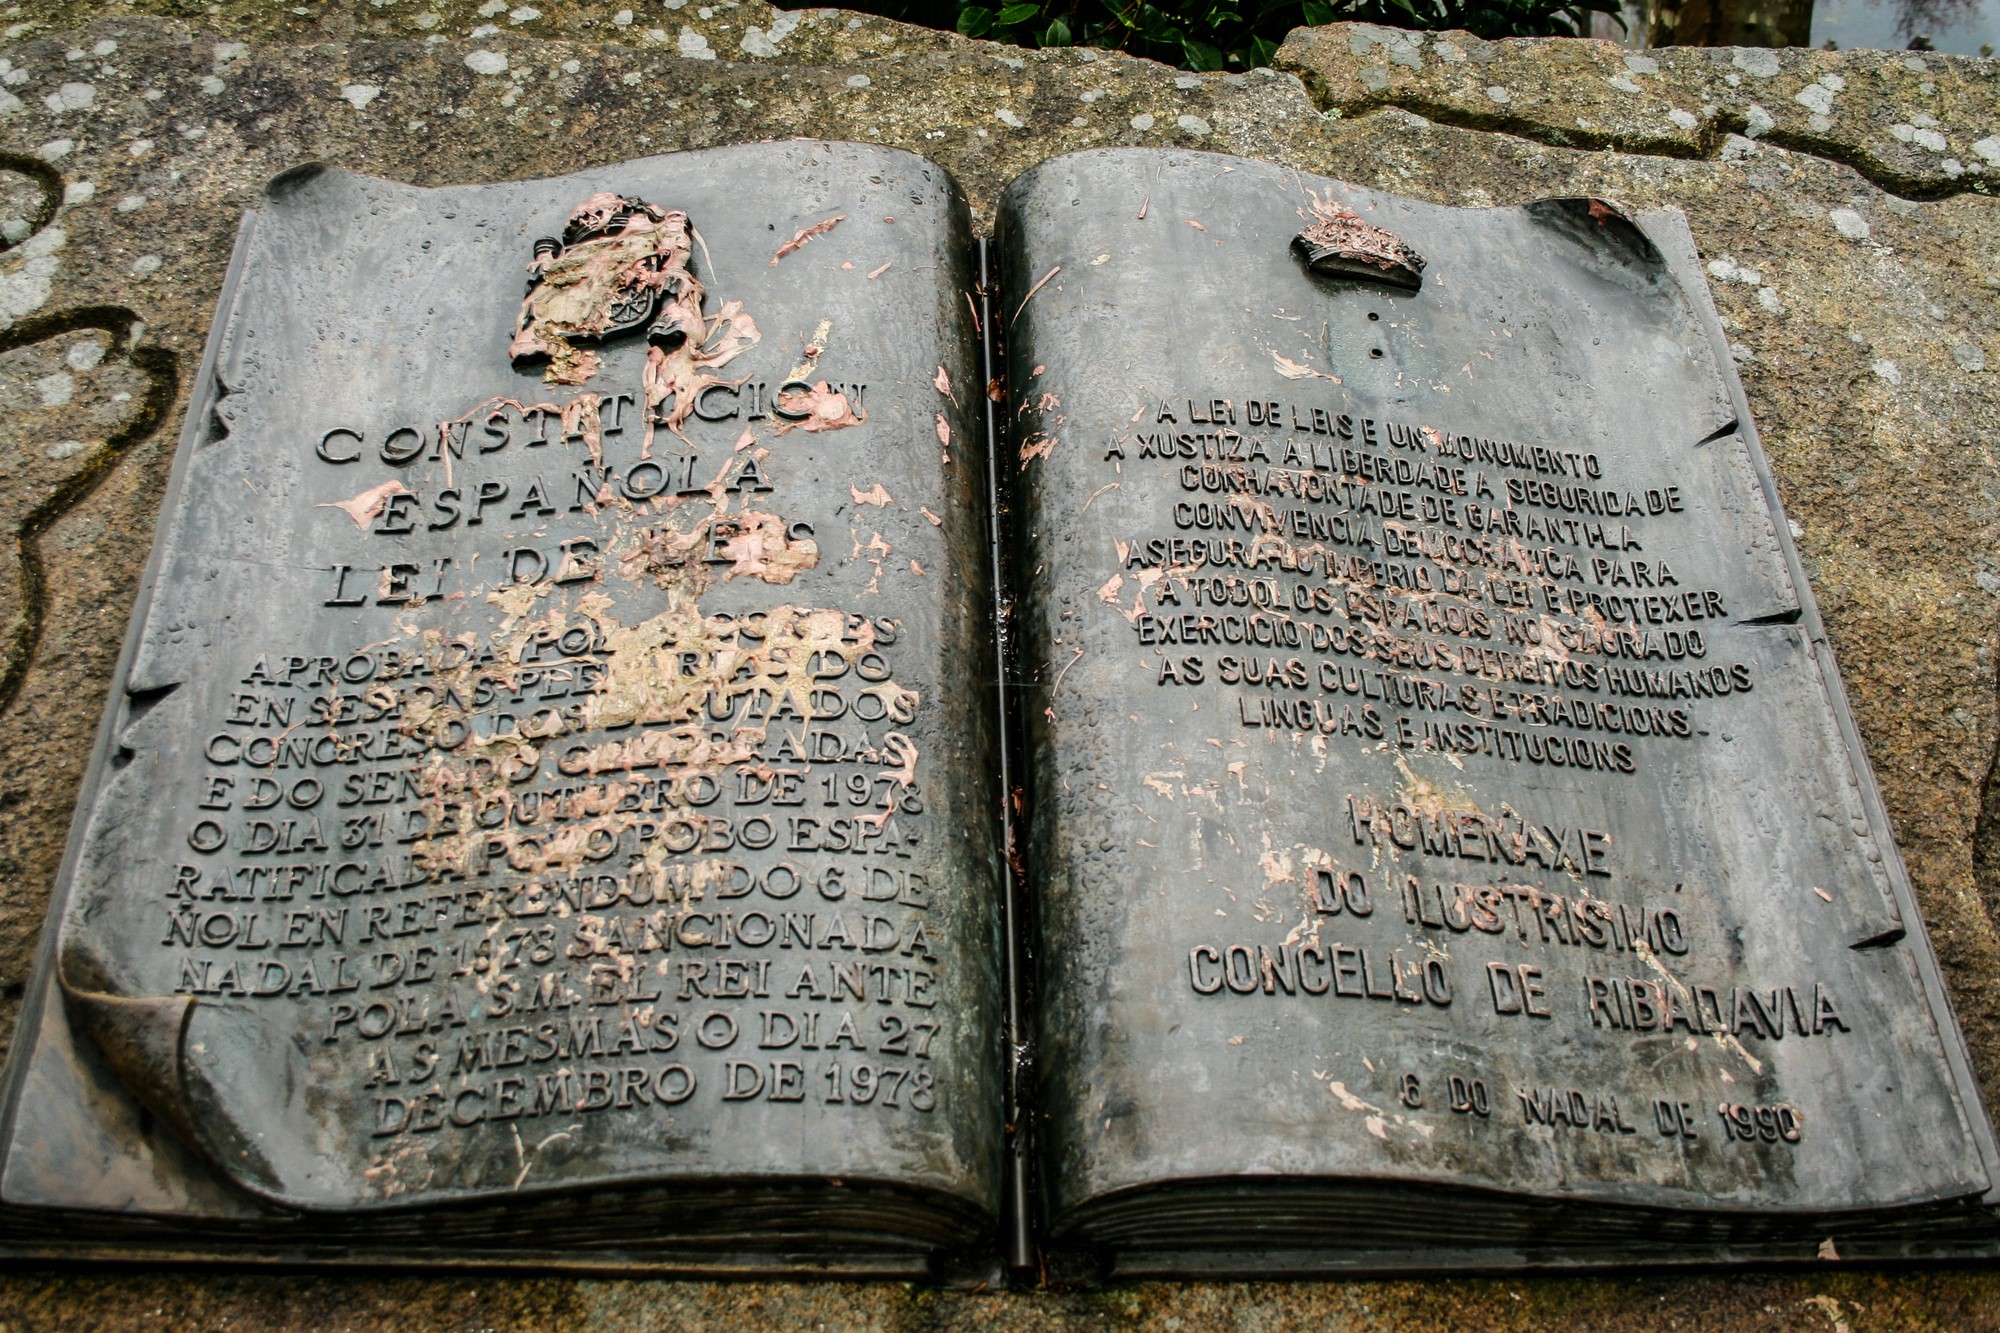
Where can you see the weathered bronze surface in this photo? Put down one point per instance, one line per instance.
(1338, 244)
(621, 263)
(558, 802)
(548, 815)
(1452, 842)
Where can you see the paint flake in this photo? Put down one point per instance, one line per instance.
(364, 507)
(804, 234)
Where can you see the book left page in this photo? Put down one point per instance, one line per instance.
(533, 768)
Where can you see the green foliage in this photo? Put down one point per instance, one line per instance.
(1226, 34)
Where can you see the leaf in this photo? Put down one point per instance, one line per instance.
(1057, 34)
(975, 21)
(1200, 55)
(1013, 14)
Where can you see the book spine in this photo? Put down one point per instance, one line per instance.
(1018, 1207)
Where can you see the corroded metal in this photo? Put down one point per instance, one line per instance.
(1450, 845)
(552, 819)
(601, 858)
(621, 264)
(1338, 243)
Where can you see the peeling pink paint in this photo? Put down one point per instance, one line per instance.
(1038, 445)
(364, 507)
(683, 372)
(824, 408)
(587, 289)
(804, 234)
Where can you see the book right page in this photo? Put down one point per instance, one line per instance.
(1438, 775)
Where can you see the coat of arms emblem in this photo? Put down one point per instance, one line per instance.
(622, 264)
(1339, 243)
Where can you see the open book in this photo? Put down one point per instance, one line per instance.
(697, 716)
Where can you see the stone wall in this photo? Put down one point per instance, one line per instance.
(1841, 202)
